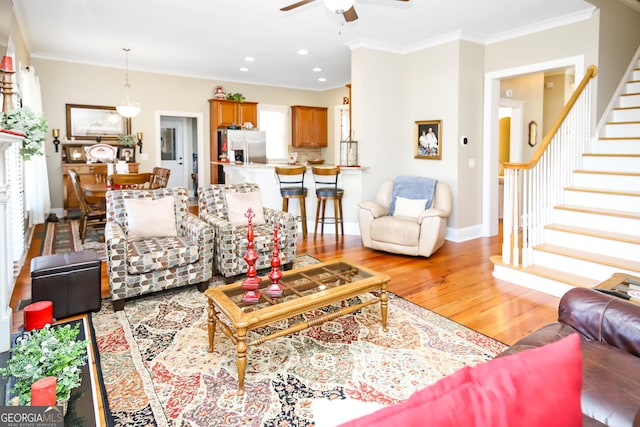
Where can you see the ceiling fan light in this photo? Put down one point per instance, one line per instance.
(338, 6)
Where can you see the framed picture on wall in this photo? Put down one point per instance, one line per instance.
(94, 121)
(427, 139)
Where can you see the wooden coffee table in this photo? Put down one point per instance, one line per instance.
(305, 289)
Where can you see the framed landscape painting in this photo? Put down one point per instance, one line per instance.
(428, 134)
(90, 122)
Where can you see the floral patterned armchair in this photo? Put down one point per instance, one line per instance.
(231, 240)
(137, 266)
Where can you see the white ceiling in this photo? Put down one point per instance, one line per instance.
(210, 38)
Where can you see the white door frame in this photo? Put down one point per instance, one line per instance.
(490, 146)
(199, 137)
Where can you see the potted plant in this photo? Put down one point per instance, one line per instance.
(126, 140)
(32, 125)
(50, 351)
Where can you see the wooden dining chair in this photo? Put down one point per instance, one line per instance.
(160, 177)
(92, 214)
(100, 172)
(131, 180)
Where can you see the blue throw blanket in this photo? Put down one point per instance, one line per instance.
(413, 187)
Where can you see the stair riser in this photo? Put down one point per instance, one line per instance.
(614, 224)
(627, 146)
(609, 182)
(577, 266)
(614, 248)
(620, 164)
(620, 130)
(600, 200)
(633, 87)
(635, 74)
(629, 101)
(627, 115)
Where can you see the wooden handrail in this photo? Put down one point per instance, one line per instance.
(590, 73)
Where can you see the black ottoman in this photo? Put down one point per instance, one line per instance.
(70, 280)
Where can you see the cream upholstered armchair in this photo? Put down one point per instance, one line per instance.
(153, 243)
(398, 220)
(224, 206)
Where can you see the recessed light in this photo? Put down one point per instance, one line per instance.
(249, 58)
(303, 52)
(322, 79)
(244, 69)
(317, 69)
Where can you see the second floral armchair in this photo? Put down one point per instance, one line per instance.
(223, 206)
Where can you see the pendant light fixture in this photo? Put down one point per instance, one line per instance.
(127, 108)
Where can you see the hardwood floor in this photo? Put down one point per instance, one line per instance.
(455, 282)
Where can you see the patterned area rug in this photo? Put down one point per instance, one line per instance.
(157, 371)
(64, 236)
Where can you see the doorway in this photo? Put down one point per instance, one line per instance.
(180, 148)
(490, 182)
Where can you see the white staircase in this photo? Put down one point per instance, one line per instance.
(595, 231)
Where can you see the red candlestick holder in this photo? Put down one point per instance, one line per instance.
(275, 290)
(38, 314)
(251, 282)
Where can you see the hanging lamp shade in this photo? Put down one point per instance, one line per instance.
(127, 108)
(339, 6)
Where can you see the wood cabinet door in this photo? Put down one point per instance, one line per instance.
(226, 113)
(302, 127)
(248, 112)
(320, 127)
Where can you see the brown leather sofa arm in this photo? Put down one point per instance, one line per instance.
(602, 318)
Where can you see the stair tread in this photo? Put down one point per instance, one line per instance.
(600, 211)
(618, 138)
(550, 273)
(617, 173)
(621, 237)
(590, 256)
(610, 155)
(604, 191)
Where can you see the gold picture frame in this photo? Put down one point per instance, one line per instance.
(90, 122)
(427, 140)
(75, 154)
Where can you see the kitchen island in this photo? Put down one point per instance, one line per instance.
(264, 175)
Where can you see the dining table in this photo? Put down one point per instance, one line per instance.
(95, 192)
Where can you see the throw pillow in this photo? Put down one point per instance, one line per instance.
(237, 205)
(409, 207)
(538, 388)
(149, 218)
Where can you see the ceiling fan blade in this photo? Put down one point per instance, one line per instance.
(294, 5)
(350, 14)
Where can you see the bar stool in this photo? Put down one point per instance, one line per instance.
(326, 179)
(291, 181)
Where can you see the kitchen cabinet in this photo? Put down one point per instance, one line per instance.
(224, 113)
(308, 126)
(87, 173)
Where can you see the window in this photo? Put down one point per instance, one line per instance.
(272, 120)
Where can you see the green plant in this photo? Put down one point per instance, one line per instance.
(235, 96)
(32, 125)
(51, 351)
(127, 140)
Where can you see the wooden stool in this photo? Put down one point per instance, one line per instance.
(291, 181)
(326, 179)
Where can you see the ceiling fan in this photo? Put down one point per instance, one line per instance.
(341, 7)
